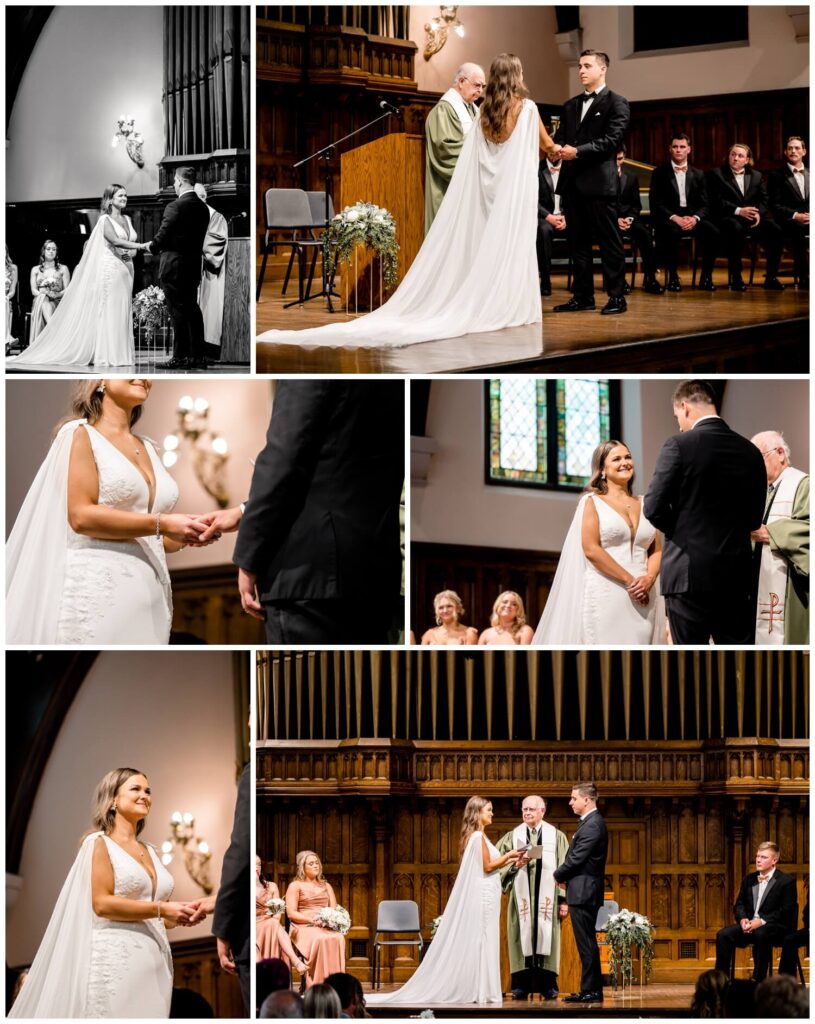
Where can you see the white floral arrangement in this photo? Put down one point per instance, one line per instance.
(275, 906)
(336, 919)
(366, 224)
(53, 283)
(434, 925)
(149, 308)
(625, 930)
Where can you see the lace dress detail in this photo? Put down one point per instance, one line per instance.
(131, 968)
(118, 592)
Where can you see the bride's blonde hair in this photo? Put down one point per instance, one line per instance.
(504, 85)
(469, 823)
(107, 197)
(103, 815)
(86, 404)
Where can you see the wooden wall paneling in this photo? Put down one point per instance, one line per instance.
(204, 608)
(196, 966)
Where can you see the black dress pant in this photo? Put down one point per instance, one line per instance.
(543, 247)
(180, 287)
(668, 238)
(795, 233)
(734, 232)
(584, 918)
(727, 618)
(762, 940)
(788, 964)
(534, 979)
(348, 621)
(590, 218)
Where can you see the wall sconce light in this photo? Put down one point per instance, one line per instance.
(195, 851)
(126, 129)
(210, 451)
(437, 29)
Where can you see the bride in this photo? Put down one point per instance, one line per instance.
(462, 964)
(93, 321)
(604, 588)
(105, 952)
(477, 269)
(86, 560)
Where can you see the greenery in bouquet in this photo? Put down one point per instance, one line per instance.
(336, 919)
(149, 308)
(362, 224)
(275, 906)
(624, 931)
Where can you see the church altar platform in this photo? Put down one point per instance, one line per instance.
(689, 332)
(143, 365)
(653, 1000)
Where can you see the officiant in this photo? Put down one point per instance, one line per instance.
(213, 271)
(446, 125)
(536, 902)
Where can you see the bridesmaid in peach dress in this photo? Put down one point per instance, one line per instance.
(305, 897)
(271, 937)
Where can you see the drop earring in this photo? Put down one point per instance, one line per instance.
(101, 389)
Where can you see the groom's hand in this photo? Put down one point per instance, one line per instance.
(201, 908)
(247, 587)
(225, 520)
(568, 153)
(226, 958)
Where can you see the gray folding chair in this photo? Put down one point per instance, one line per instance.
(395, 917)
(287, 210)
(316, 201)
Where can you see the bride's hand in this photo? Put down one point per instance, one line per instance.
(176, 914)
(181, 528)
(639, 588)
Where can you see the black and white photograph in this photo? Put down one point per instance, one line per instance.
(127, 189)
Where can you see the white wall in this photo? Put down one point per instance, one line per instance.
(457, 507)
(169, 714)
(528, 32)
(773, 60)
(240, 410)
(90, 65)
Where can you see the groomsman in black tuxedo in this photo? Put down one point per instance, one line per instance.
(551, 219)
(739, 202)
(707, 494)
(766, 911)
(590, 133)
(679, 207)
(630, 222)
(789, 202)
(583, 871)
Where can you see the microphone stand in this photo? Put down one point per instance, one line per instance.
(325, 155)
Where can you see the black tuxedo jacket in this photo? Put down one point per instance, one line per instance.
(231, 920)
(322, 518)
(629, 203)
(708, 492)
(665, 194)
(584, 867)
(779, 906)
(546, 190)
(597, 139)
(725, 194)
(784, 198)
(180, 238)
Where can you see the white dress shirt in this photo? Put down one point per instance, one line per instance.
(555, 172)
(762, 888)
(800, 179)
(586, 104)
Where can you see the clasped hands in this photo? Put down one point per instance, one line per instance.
(748, 926)
(201, 530)
(185, 915)
(639, 588)
(562, 153)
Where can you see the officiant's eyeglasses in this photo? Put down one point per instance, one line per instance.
(770, 451)
(475, 85)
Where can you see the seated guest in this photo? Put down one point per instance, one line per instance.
(788, 964)
(789, 203)
(508, 622)
(321, 1002)
(679, 209)
(306, 896)
(766, 911)
(349, 989)
(283, 1004)
(738, 200)
(740, 999)
(551, 219)
(270, 976)
(708, 997)
(271, 938)
(781, 997)
(49, 279)
(630, 222)
(450, 630)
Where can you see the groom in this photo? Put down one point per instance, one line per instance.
(590, 134)
(180, 240)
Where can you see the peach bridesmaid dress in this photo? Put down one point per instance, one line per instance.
(324, 949)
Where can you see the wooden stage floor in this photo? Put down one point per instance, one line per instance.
(651, 1001)
(754, 331)
(149, 367)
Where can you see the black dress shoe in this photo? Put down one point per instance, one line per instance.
(575, 306)
(200, 364)
(674, 284)
(626, 288)
(772, 284)
(546, 289)
(706, 283)
(584, 997)
(737, 284)
(176, 364)
(652, 286)
(519, 994)
(551, 993)
(614, 305)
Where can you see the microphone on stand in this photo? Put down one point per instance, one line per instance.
(384, 105)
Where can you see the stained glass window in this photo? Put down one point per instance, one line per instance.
(542, 432)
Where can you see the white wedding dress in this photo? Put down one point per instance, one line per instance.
(66, 588)
(477, 269)
(463, 962)
(585, 606)
(93, 322)
(88, 966)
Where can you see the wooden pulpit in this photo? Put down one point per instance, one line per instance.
(237, 291)
(388, 172)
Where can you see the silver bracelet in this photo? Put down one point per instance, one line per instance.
(158, 525)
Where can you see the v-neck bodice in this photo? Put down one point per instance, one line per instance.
(132, 879)
(629, 548)
(122, 484)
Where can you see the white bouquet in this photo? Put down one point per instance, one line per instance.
(275, 906)
(336, 919)
(434, 925)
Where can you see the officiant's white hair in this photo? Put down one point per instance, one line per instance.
(773, 438)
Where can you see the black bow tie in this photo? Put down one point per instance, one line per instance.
(588, 96)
